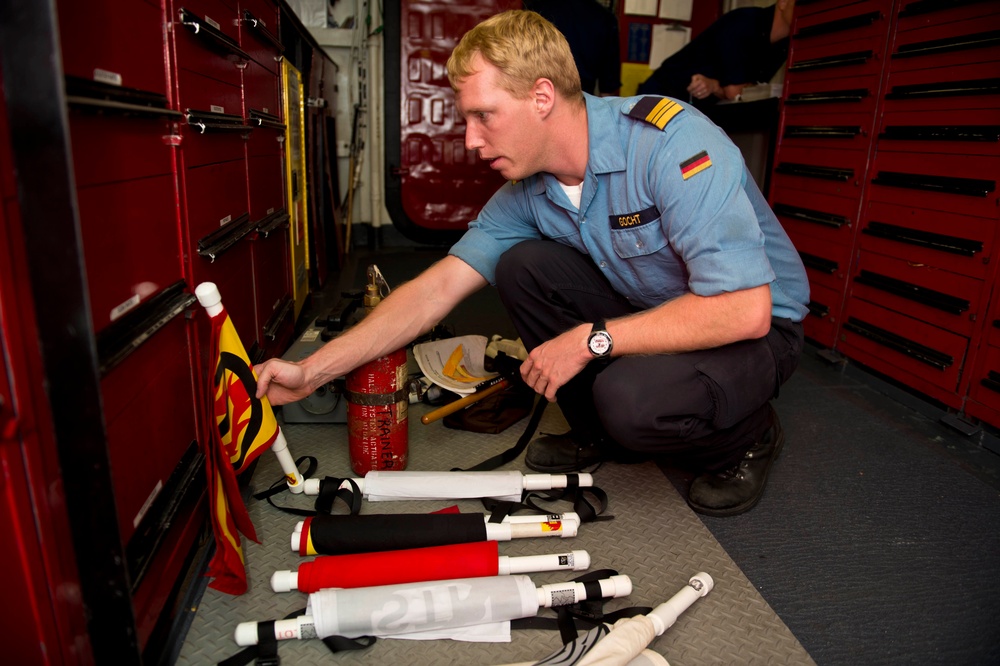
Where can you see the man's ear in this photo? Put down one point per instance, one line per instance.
(543, 95)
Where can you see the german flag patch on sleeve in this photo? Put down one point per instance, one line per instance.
(695, 164)
(656, 111)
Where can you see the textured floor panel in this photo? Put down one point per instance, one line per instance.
(654, 538)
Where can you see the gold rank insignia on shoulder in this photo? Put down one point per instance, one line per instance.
(513, 183)
(656, 110)
(695, 164)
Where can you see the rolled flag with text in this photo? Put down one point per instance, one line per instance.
(463, 560)
(243, 427)
(398, 610)
(508, 485)
(326, 534)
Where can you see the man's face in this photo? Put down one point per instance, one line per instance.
(502, 129)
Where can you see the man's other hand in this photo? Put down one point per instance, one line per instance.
(553, 363)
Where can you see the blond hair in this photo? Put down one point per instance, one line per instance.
(524, 47)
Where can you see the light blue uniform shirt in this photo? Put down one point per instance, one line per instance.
(654, 233)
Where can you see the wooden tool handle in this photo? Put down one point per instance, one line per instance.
(462, 403)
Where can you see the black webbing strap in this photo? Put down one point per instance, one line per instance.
(516, 450)
(329, 492)
(573, 492)
(282, 484)
(265, 653)
(587, 614)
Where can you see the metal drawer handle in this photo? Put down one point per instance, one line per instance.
(808, 215)
(213, 245)
(850, 95)
(922, 353)
(849, 23)
(929, 297)
(210, 35)
(927, 239)
(124, 336)
(960, 43)
(819, 263)
(813, 171)
(971, 187)
(841, 60)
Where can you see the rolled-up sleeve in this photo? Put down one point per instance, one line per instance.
(505, 220)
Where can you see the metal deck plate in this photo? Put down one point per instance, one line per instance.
(654, 538)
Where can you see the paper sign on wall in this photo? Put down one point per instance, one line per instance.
(641, 7)
(679, 10)
(667, 40)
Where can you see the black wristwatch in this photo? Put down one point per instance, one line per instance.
(599, 343)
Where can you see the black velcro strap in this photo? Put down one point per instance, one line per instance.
(330, 491)
(593, 589)
(342, 644)
(282, 484)
(267, 645)
(266, 650)
(516, 450)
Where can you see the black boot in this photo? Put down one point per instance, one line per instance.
(561, 454)
(737, 489)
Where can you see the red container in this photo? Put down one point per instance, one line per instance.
(377, 405)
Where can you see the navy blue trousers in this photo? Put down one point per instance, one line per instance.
(701, 409)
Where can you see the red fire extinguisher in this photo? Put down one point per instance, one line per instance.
(377, 400)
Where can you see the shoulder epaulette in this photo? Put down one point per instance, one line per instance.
(656, 110)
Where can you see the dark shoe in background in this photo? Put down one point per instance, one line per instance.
(738, 489)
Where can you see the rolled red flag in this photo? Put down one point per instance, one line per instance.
(465, 560)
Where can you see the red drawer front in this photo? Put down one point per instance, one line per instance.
(829, 171)
(232, 272)
(272, 284)
(216, 196)
(110, 148)
(266, 141)
(120, 43)
(826, 263)
(215, 131)
(822, 322)
(993, 322)
(260, 90)
(855, 95)
(951, 301)
(131, 244)
(860, 22)
(820, 216)
(959, 131)
(965, 86)
(149, 410)
(965, 184)
(199, 51)
(259, 34)
(985, 387)
(957, 243)
(942, 45)
(912, 20)
(840, 130)
(919, 355)
(267, 187)
(845, 61)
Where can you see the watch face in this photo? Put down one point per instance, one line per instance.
(600, 343)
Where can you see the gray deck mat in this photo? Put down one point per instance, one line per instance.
(654, 538)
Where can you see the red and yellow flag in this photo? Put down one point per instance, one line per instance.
(244, 427)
